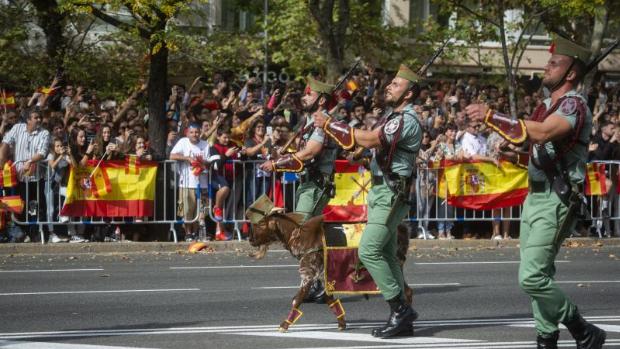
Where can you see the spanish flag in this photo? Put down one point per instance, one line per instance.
(352, 185)
(111, 191)
(7, 100)
(595, 179)
(13, 204)
(8, 175)
(132, 162)
(482, 185)
(47, 90)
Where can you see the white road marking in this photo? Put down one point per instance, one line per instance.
(239, 266)
(357, 337)
(272, 329)
(411, 285)
(48, 270)
(101, 291)
(475, 263)
(476, 345)
(608, 328)
(44, 345)
(588, 282)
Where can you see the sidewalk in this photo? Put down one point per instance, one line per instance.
(232, 246)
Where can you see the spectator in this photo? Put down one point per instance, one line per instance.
(59, 161)
(30, 144)
(191, 154)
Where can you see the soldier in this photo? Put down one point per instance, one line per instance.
(395, 141)
(315, 158)
(558, 132)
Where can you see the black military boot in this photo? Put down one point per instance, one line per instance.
(400, 322)
(548, 341)
(316, 293)
(586, 335)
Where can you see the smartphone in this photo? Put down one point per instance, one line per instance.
(269, 131)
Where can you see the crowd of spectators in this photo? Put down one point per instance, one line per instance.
(222, 118)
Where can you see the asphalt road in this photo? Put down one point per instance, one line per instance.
(467, 298)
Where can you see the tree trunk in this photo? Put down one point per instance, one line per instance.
(157, 88)
(51, 21)
(601, 18)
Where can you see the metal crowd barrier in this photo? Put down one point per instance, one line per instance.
(247, 182)
(603, 209)
(38, 192)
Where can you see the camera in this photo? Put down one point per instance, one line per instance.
(92, 118)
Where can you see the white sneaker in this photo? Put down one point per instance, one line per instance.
(63, 219)
(55, 239)
(498, 237)
(77, 239)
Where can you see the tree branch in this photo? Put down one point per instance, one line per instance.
(475, 14)
(145, 34)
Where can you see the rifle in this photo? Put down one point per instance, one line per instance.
(307, 128)
(596, 60)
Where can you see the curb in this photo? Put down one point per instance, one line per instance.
(237, 246)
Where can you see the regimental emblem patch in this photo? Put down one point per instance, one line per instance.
(569, 106)
(391, 127)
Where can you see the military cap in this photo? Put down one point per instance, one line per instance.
(565, 47)
(319, 86)
(259, 209)
(407, 74)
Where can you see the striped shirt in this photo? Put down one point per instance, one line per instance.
(26, 145)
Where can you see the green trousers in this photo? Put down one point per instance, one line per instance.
(540, 242)
(377, 249)
(311, 199)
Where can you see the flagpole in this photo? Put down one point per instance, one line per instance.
(99, 163)
(4, 100)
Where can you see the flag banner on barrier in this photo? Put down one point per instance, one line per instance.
(344, 273)
(482, 185)
(352, 185)
(12, 203)
(113, 189)
(8, 176)
(596, 181)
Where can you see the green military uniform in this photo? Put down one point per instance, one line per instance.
(546, 220)
(378, 244)
(543, 213)
(315, 191)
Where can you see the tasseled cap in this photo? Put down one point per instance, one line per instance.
(407, 74)
(565, 47)
(318, 86)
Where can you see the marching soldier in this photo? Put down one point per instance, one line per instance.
(395, 141)
(315, 158)
(558, 132)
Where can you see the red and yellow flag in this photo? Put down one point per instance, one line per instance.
(352, 185)
(8, 175)
(482, 185)
(132, 162)
(111, 191)
(596, 182)
(7, 100)
(13, 204)
(47, 90)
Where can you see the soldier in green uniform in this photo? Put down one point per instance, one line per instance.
(395, 142)
(558, 132)
(314, 160)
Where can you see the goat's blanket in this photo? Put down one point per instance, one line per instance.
(344, 273)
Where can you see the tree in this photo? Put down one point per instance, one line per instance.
(333, 21)
(151, 21)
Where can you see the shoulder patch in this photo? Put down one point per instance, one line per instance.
(391, 126)
(568, 106)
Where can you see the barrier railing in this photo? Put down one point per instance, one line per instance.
(39, 190)
(247, 182)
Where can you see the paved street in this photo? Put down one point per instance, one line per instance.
(466, 297)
